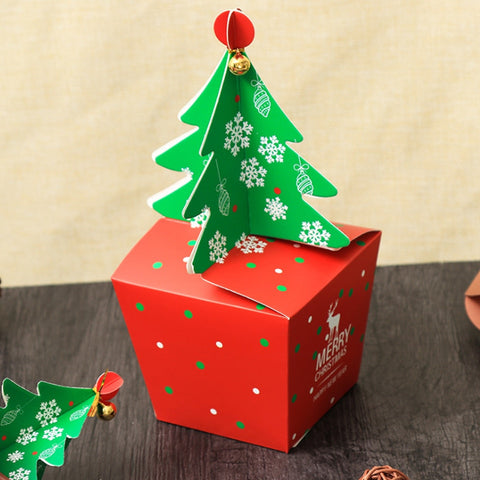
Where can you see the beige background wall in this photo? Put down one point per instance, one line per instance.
(386, 94)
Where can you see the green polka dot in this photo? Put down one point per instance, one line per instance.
(352, 330)
(192, 242)
(264, 342)
(157, 265)
(350, 292)
(297, 347)
(340, 293)
(362, 337)
(200, 365)
(169, 390)
(367, 285)
(281, 288)
(294, 398)
(361, 243)
(240, 425)
(319, 329)
(315, 355)
(188, 314)
(259, 306)
(299, 259)
(140, 307)
(251, 265)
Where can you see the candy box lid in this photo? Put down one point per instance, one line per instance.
(279, 274)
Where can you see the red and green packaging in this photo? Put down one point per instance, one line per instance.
(258, 348)
(251, 326)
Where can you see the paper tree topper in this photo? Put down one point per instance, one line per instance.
(35, 429)
(242, 178)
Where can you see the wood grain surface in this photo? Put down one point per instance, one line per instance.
(416, 405)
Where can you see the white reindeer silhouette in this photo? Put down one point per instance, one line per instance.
(333, 321)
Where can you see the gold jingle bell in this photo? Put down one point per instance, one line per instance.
(239, 64)
(106, 411)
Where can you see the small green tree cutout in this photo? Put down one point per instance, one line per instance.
(35, 429)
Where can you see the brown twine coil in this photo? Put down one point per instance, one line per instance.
(383, 473)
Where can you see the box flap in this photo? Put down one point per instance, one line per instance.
(281, 274)
(158, 261)
(278, 274)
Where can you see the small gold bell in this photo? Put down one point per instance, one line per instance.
(239, 64)
(106, 411)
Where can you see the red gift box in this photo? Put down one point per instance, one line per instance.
(256, 349)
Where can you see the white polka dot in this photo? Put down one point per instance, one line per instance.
(332, 400)
(310, 318)
(278, 270)
(294, 436)
(310, 391)
(186, 259)
(213, 411)
(296, 245)
(363, 273)
(219, 344)
(159, 344)
(256, 391)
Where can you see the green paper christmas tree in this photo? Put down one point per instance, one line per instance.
(35, 429)
(243, 177)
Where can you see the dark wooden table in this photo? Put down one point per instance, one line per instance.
(416, 405)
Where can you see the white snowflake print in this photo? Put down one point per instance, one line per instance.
(276, 209)
(26, 436)
(15, 456)
(217, 245)
(20, 474)
(237, 134)
(314, 234)
(200, 219)
(250, 244)
(271, 149)
(48, 413)
(252, 173)
(52, 433)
